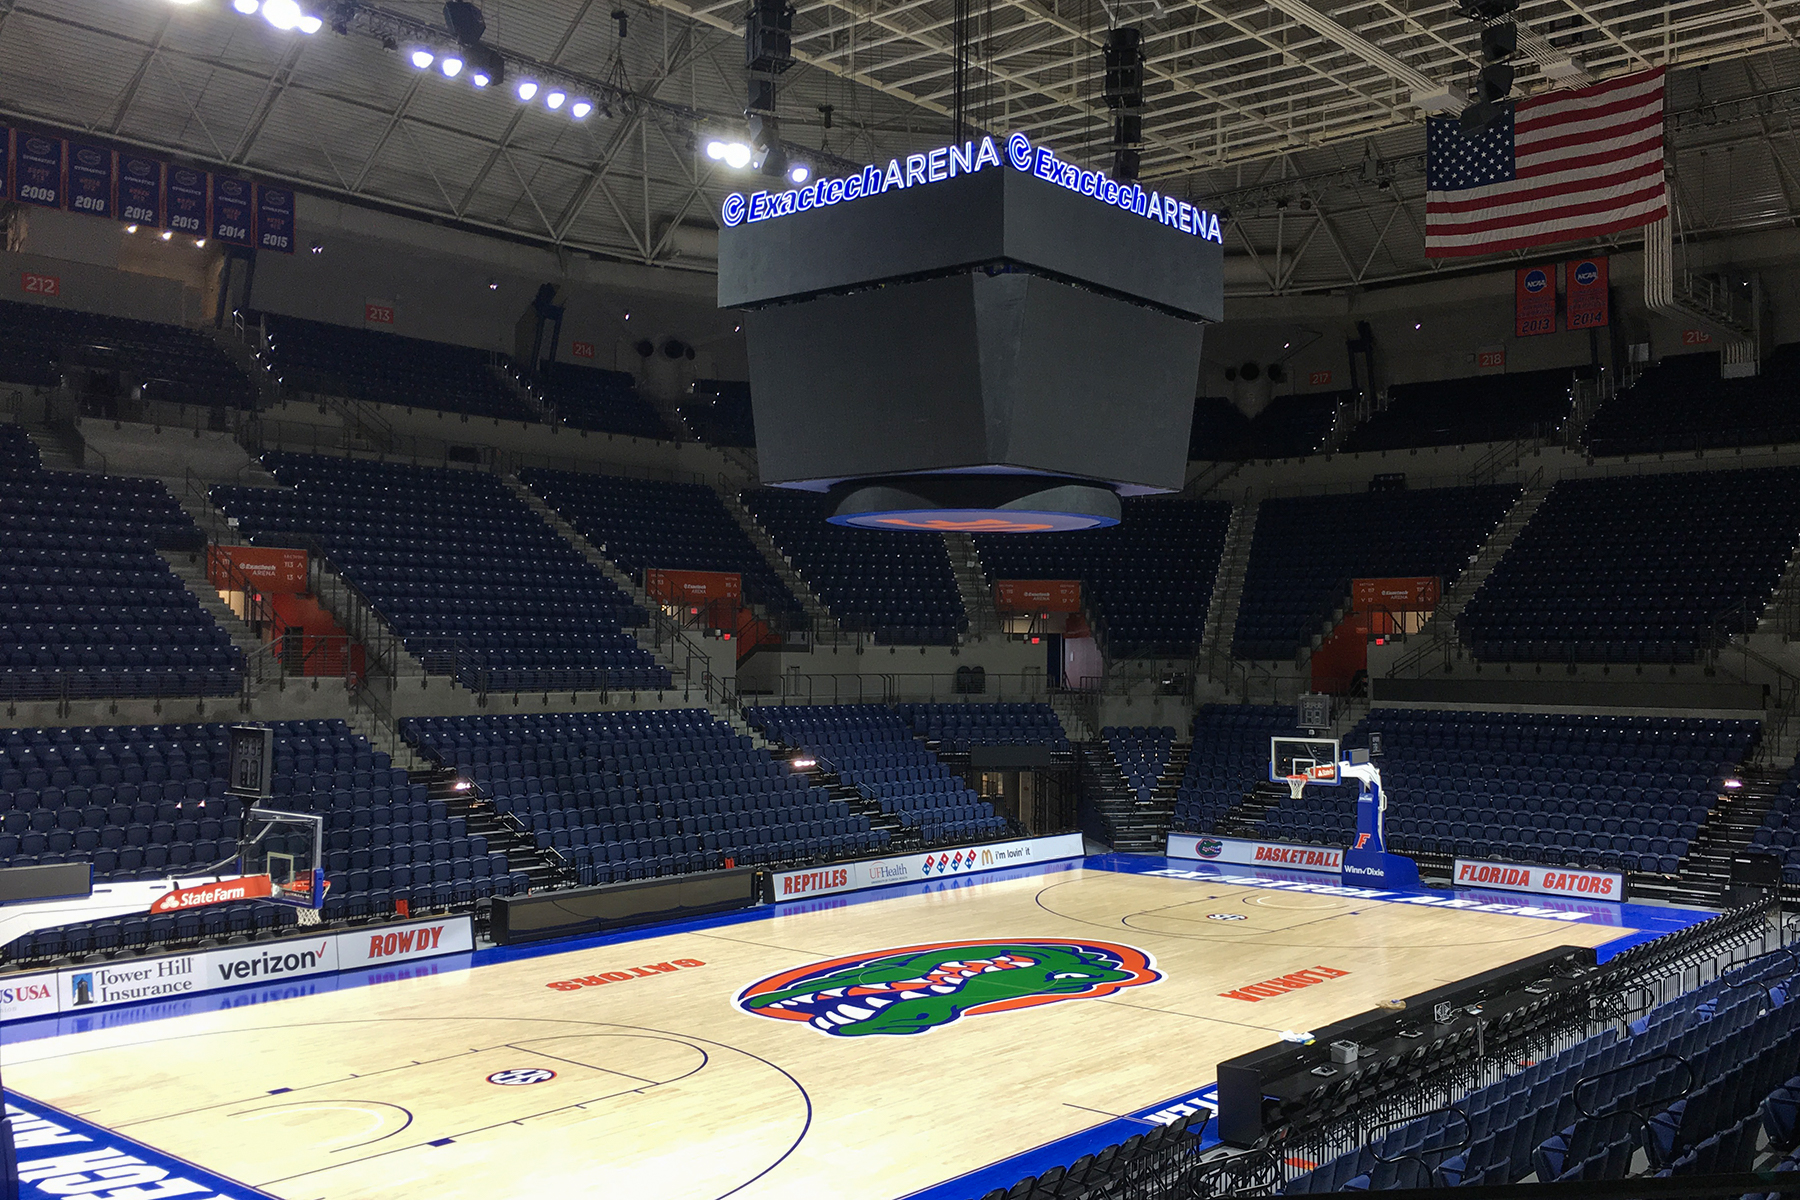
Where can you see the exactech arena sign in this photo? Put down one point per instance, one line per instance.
(1547, 881)
(1239, 852)
(913, 868)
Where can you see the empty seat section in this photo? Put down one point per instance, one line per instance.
(474, 583)
(169, 363)
(387, 368)
(645, 523)
(634, 795)
(871, 748)
(1287, 427)
(1229, 756)
(1307, 549)
(588, 398)
(87, 606)
(956, 727)
(1647, 568)
(718, 412)
(1140, 753)
(1480, 408)
(1147, 581)
(897, 586)
(1682, 404)
(1615, 793)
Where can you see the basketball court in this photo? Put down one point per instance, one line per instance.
(877, 1046)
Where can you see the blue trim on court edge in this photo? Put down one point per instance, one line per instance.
(69, 1146)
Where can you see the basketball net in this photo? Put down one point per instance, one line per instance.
(307, 916)
(1296, 785)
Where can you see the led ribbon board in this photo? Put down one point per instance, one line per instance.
(971, 157)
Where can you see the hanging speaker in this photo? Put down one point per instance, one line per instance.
(1249, 371)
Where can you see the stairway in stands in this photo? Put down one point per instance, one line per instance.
(900, 840)
(1130, 824)
(1706, 871)
(1242, 818)
(502, 831)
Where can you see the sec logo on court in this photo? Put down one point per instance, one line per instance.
(915, 989)
(520, 1076)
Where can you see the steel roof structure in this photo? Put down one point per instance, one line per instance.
(1303, 118)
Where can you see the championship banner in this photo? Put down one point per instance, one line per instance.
(274, 219)
(140, 190)
(1587, 305)
(92, 180)
(186, 200)
(1534, 301)
(37, 169)
(1038, 595)
(233, 209)
(1546, 881)
(1242, 852)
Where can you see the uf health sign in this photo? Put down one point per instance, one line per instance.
(1257, 854)
(1545, 881)
(969, 158)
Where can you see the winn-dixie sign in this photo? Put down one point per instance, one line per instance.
(131, 981)
(914, 868)
(970, 158)
(1241, 852)
(1545, 881)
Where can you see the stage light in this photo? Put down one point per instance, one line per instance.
(553, 99)
(581, 108)
(310, 24)
(317, 248)
(247, 7)
(485, 65)
(131, 229)
(282, 14)
(715, 149)
(451, 66)
(167, 234)
(200, 243)
(480, 78)
(423, 59)
(527, 89)
(737, 155)
(799, 173)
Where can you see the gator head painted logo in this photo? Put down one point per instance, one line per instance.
(1208, 847)
(913, 989)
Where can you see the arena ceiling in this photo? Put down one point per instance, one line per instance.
(1300, 117)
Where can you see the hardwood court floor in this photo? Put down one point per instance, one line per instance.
(665, 1087)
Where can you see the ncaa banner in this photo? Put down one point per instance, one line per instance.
(1534, 301)
(912, 868)
(185, 195)
(1242, 852)
(1587, 307)
(233, 210)
(37, 169)
(92, 180)
(274, 219)
(1545, 881)
(140, 190)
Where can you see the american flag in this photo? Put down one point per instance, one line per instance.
(1554, 168)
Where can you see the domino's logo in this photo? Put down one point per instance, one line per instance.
(1536, 281)
(1586, 273)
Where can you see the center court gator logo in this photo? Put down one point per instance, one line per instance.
(914, 989)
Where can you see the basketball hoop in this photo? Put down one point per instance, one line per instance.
(1296, 785)
(307, 916)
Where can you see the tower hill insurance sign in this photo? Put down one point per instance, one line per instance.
(969, 158)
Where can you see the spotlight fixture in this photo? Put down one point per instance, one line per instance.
(423, 58)
(247, 7)
(451, 66)
(200, 243)
(799, 173)
(493, 285)
(283, 14)
(527, 89)
(131, 229)
(553, 99)
(317, 248)
(581, 108)
(485, 65)
(167, 234)
(715, 150)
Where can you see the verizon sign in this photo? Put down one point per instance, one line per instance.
(1545, 881)
(1242, 852)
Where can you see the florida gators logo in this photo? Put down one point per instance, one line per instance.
(914, 989)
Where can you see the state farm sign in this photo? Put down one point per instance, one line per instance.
(1547, 881)
(1255, 854)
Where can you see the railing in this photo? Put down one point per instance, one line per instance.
(893, 687)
